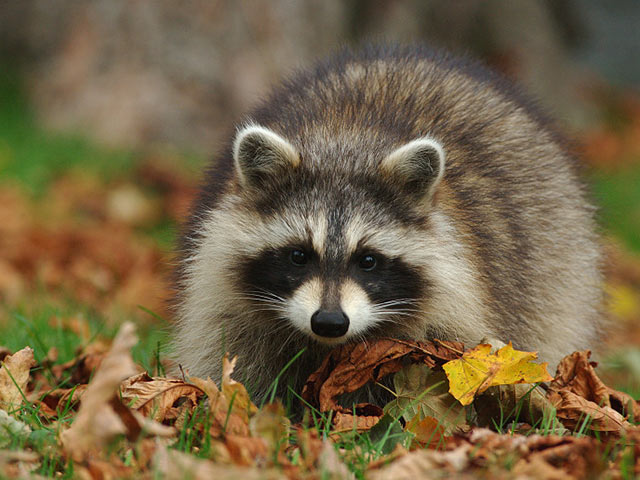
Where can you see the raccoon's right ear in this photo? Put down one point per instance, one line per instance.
(259, 152)
(418, 166)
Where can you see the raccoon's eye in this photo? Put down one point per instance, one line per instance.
(298, 258)
(367, 262)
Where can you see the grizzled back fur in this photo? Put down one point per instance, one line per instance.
(492, 238)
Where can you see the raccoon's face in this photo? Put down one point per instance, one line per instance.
(337, 261)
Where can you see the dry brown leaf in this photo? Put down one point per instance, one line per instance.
(351, 366)
(96, 422)
(79, 370)
(428, 432)
(272, 425)
(577, 374)
(223, 418)
(366, 416)
(576, 457)
(151, 427)
(18, 464)
(155, 397)
(573, 410)
(246, 451)
(425, 464)
(235, 391)
(14, 375)
(310, 446)
(172, 464)
(330, 466)
(102, 469)
(538, 468)
(60, 398)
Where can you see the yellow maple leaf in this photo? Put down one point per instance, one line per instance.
(479, 369)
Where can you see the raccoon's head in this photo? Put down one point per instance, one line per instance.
(336, 251)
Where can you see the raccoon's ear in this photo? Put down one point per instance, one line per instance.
(418, 166)
(259, 152)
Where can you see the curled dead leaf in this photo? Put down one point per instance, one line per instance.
(577, 374)
(155, 397)
(575, 411)
(230, 406)
(14, 375)
(96, 422)
(351, 366)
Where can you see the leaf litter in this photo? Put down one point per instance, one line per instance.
(122, 409)
(134, 425)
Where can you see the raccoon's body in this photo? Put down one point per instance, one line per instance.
(391, 192)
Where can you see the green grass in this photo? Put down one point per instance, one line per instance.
(618, 194)
(35, 157)
(39, 328)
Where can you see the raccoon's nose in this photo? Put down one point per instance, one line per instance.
(329, 324)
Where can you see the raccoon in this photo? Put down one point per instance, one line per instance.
(389, 192)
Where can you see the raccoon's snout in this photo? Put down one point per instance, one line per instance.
(329, 324)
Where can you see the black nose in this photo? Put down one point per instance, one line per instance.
(329, 324)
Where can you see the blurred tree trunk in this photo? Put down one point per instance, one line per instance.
(135, 72)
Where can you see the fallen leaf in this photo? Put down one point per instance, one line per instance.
(574, 411)
(330, 466)
(575, 457)
(271, 424)
(422, 393)
(11, 428)
(14, 375)
(155, 397)
(61, 398)
(227, 416)
(424, 464)
(310, 446)
(96, 422)
(479, 369)
(246, 451)
(98, 468)
(235, 392)
(428, 432)
(577, 374)
(172, 464)
(349, 367)
(18, 464)
(80, 370)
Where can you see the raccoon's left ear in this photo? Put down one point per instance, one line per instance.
(418, 166)
(259, 152)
